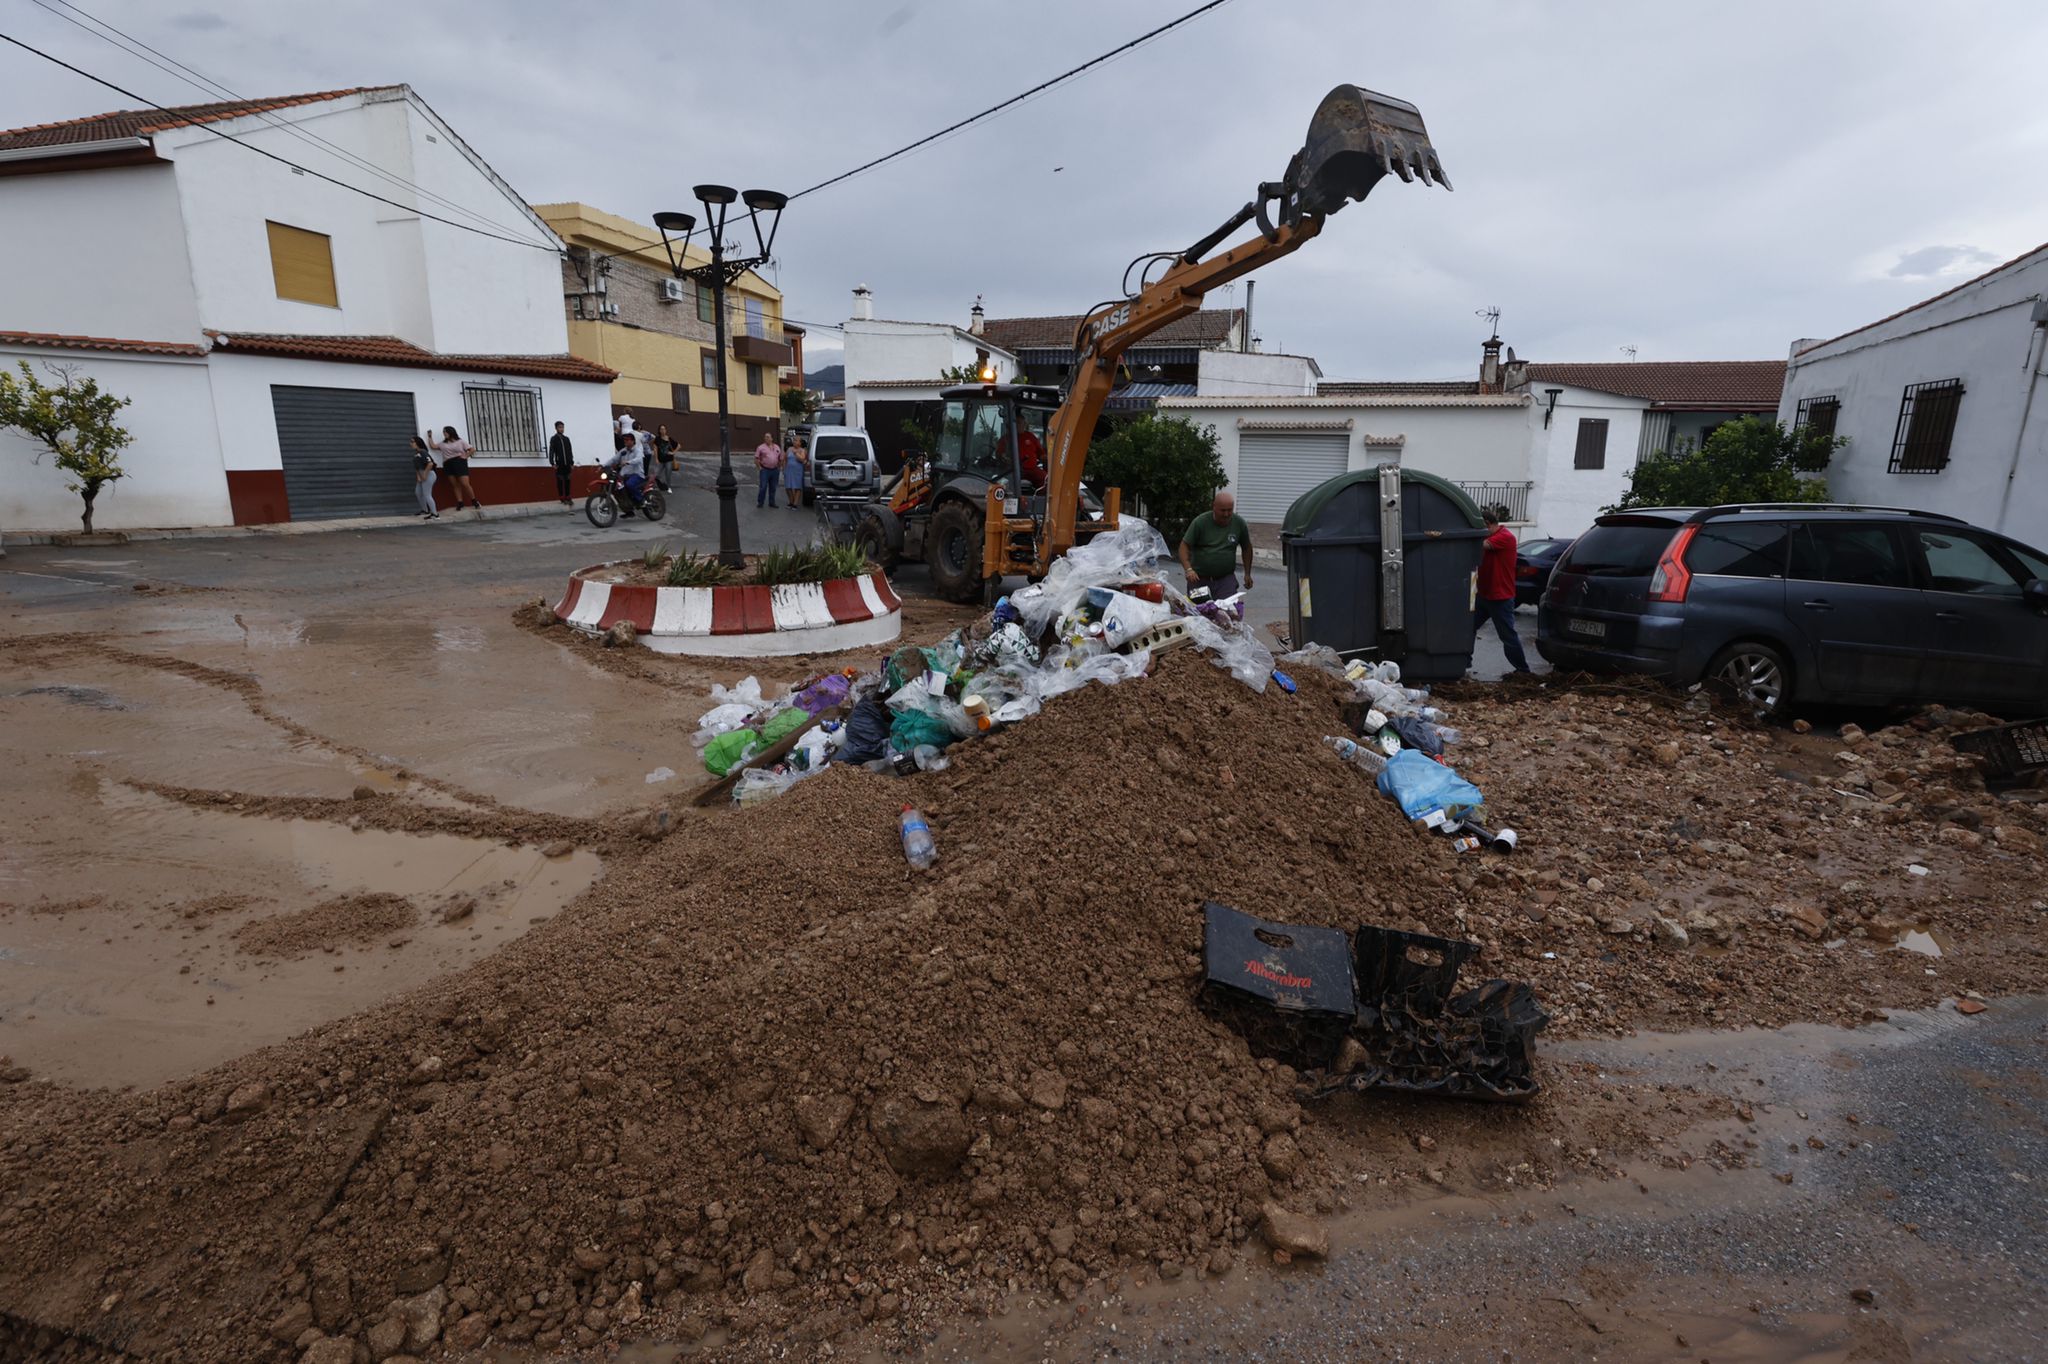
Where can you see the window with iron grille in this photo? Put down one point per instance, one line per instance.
(1591, 452)
(1927, 422)
(679, 397)
(503, 422)
(1818, 415)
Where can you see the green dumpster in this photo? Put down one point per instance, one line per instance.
(1382, 563)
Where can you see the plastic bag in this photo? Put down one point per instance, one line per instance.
(781, 723)
(720, 720)
(822, 695)
(1083, 668)
(1417, 732)
(729, 750)
(1131, 551)
(913, 727)
(1316, 656)
(812, 751)
(763, 783)
(1418, 784)
(867, 732)
(1234, 650)
(746, 692)
(1126, 616)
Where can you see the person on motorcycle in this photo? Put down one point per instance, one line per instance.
(626, 466)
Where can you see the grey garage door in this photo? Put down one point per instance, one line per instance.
(346, 451)
(1276, 467)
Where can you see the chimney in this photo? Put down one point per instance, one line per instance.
(974, 316)
(1514, 373)
(863, 303)
(1489, 365)
(1244, 342)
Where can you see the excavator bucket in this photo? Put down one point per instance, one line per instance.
(1355, 138)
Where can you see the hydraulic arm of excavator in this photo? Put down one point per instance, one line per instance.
(1356, 138)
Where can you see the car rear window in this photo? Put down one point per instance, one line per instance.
(1618, 551)
(1739, 549)
(840, 447)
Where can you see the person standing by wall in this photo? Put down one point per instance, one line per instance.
(796, 464)
(423, 476)
(455, 453)
(1497, 589)
(768, 459)
(561, 454)
(1210, 549)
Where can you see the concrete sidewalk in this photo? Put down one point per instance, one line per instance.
(78, 539)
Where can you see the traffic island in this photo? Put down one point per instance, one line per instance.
(744, 620)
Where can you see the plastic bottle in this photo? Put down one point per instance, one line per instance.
(918, 846)
(1448, 735)
(1364, 759)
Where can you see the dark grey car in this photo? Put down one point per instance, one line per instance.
(1806, 603)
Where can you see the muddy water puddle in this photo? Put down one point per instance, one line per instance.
(129, 970)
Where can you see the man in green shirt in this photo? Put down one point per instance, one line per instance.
(1210, 550)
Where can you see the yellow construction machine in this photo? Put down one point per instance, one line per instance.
(1001, 494)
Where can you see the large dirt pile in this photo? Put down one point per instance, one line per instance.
(766, 1082)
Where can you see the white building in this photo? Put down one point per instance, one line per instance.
(891, 368)
(1942, 404)
(279, 335)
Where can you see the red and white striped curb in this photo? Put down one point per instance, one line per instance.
(842, 613)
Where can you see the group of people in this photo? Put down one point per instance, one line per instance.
(637, 457)
(1213, 545)
(781, 469)
(453, 460)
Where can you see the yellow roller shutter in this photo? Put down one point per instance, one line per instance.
(302, 263)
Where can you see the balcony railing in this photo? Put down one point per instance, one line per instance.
(1513, 496)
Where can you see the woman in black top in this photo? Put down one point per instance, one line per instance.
(665, 451)
(423, 477)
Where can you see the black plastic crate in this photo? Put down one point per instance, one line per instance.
(2007, 751)
(1286, 988)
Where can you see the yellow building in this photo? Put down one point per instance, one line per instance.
(628, 312)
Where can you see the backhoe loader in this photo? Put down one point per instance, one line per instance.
(1001, 494)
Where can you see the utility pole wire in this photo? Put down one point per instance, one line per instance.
(1040, 88)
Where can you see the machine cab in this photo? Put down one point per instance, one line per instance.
(996, 432)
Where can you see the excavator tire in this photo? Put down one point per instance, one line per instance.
(953, 544)
(872, 536)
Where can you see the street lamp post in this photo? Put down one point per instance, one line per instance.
(718, 273)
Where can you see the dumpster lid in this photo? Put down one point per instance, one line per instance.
(1303, 513)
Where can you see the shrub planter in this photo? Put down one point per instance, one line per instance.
(741, 622)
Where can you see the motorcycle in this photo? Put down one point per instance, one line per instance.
(610, 500)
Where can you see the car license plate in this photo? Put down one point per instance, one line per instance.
(1592, 629)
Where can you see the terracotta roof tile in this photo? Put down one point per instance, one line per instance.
(143, 122)
(1209, 327)
(57, 341)
(390, 350)
(1703, 385)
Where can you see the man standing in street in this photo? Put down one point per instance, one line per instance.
(1497, 589)
(562, 455)
(1210, 549)
(768, 460)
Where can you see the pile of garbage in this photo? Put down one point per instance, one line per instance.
(1100, 615)
(1399, 739)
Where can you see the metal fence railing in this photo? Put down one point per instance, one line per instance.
(1513, 496)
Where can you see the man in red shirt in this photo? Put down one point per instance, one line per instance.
(1497, 590)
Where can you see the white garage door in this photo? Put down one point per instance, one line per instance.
(1276, 467)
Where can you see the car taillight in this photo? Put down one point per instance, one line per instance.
(1673, 579)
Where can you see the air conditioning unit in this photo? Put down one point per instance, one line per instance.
(672, 291)
(610, 309)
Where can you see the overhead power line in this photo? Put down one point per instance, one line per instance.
(281, 160)
(198, 80)
(1037, 89)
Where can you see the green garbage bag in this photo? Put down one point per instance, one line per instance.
(914, 727)
(782, 722)
(728, 750)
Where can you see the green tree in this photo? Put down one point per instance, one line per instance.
(73, 419)
(960, 374)
(1168, 466)
(801, 404)
(1747, 460)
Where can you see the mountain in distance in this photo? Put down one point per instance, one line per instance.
(828, 379)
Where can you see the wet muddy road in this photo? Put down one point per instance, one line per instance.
(1889, 1207)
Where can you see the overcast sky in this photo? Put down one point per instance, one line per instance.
(1695, 181)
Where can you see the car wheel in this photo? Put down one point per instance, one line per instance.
(1756, 674)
